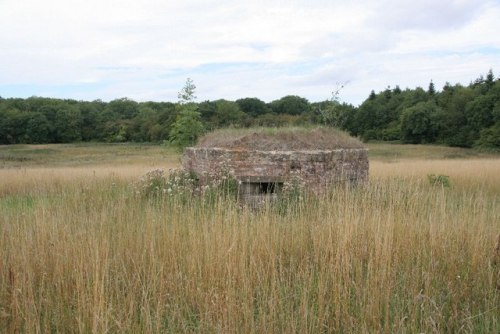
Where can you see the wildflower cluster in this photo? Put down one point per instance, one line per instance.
(158, 182)
(219, 182)
(292, 194)
(180, 182)
(294, 187)
(152, 183)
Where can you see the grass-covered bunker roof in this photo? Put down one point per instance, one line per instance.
(279, 139)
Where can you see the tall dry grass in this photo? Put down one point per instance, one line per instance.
(83, 253)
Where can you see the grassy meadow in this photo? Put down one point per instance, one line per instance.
(81, 251)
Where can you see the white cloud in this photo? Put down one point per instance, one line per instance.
(146, 49)
(424, 14)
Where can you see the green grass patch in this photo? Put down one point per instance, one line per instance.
(17, 203)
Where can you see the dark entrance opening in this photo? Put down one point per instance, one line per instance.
(268, 187)
(260, 188)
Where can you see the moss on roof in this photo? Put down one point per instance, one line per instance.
(279, 139)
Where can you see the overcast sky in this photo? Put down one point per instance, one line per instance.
(145, 49)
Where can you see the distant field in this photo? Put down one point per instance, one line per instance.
(66, 161)
(394, 152)
(85, 154)
(81, 250)
(91, 154)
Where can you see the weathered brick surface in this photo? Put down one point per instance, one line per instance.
(317, 168)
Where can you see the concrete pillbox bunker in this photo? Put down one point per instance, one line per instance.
(262, 173)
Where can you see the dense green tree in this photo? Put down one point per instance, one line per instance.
(372, 95)
(290, 104)
(418, 123)
(207, 111)
(67, 125)
(15, 103)
(460, 116)
(496, 110)
(186, 129)
(378, 117)
(479, 112)
(113, 122)
(387, 93)
(228, 113)
(140, 126)
(37, 129)
(431, 90)
(372, 117)
(252, 106)
(35, 103)
(186, 95)
(107, 125)
(489, 138)
(123, 108)
(333, 113)
(12, 125)
(454, 128)
(490, 79)
(89, 112)
(188, 125)
(166, 116)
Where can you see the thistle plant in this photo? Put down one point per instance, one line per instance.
(151, 184)
(220, 182)
(292, 193)
(158, 183)
(176, 183)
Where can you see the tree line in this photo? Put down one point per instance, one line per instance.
(457, 115)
